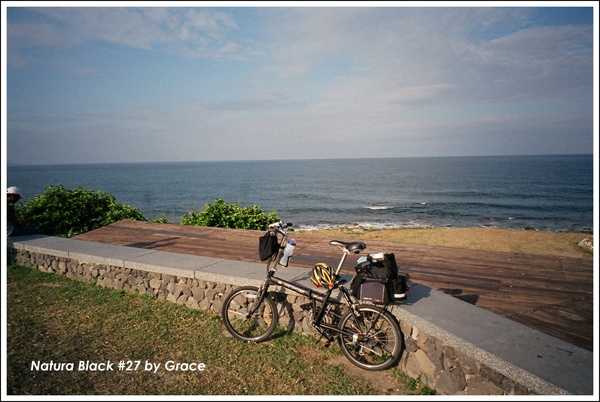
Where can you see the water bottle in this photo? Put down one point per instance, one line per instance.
(288, 251)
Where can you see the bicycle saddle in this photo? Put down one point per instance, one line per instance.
(353, 247)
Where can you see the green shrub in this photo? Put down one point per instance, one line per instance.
(221, 214)
(161, 219)
(65, 213)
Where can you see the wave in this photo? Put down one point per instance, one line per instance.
(363, 225)
(378, 207)
(387, 207)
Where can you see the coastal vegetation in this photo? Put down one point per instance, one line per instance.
(224, 215)
(65, 213)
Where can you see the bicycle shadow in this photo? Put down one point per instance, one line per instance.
(459, 294)
(419, 292)
(416, 293)
(289, 318)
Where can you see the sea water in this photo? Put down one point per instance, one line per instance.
(553, 192)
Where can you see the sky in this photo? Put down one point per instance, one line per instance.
(111, 82)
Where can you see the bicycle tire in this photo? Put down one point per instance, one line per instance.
(372, 340)
(255, 328)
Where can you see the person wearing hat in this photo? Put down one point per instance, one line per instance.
(13, 227)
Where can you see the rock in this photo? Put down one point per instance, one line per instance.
(587, 243)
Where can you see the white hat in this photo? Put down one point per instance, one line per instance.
(14, 190)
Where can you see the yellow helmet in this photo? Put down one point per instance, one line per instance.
(322, 275)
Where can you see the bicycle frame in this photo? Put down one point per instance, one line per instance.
(312, 294)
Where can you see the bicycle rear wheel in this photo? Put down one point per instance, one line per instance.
(372, 340)
(238, 320)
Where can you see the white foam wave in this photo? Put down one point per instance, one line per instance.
(377, 207)
(363, 225)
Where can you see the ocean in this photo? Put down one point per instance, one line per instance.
(547, 193)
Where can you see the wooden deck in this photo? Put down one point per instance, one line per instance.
(551, 294)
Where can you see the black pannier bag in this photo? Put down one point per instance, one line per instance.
(268, 245)
(377, 279)
(373, 290)
(398, 288)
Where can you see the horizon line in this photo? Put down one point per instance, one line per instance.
(293, 159)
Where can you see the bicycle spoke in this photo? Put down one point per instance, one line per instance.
(243, 325)
(372, 340)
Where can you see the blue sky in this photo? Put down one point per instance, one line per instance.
(150, 83)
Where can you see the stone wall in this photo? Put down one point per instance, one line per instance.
(439, 363)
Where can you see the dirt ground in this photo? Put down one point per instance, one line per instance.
(379, 380)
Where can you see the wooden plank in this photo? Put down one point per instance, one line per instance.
(551, 294)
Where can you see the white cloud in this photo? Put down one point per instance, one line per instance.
(328, 81)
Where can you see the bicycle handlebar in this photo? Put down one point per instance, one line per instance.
(280, 225)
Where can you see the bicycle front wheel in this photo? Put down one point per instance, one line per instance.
(243, 325)
(371, 339)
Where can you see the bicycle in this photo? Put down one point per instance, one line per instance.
(369, 336)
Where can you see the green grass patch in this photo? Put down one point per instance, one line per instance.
(54, 319)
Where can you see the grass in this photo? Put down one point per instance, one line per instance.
(54, 319)
(490, 239)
